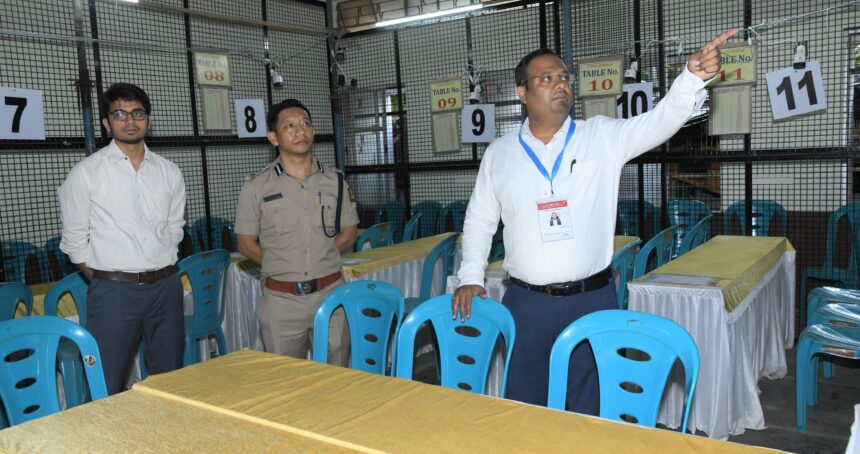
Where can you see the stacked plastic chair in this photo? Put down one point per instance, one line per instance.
(465, 348)
(685, 214)
(622, 269)
(763, 213)
(457, 211)
(443, 251)
(205, 271)
(13, 294)
(429, 211)
(22, 262)
(71, 367)
(373, 312)
(410, 232)
(57, 264)
(28, 382)
(695, 236)
(845, 277)
(394, 213)
(631, 384)
(223, 234)
(628, 218)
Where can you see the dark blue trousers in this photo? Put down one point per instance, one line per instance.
(539, 319)
(118, 314)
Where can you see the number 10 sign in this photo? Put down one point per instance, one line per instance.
(796, 91)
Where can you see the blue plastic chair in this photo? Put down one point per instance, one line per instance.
(394, 213)
(205, 271)
(28, 383)
(444, 251)
(57, 264)
(661, 245)
(622, 269)
(429, 211)
(763, 212)
(359, 210)
(694, 237)
(378, 235)
(465, 349)
(222, 233)
(685, 214)
(371, 309)
(817, 341)
(22, 262)
(631, 384)
(410, 232)
(457, 211)
(71, 367)
(828, 271)
(628, 218)
(822, 296)
(11, 295)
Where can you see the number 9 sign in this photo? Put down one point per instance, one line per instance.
(478, 123)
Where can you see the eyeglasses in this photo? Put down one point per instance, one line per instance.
(122, 115)
(551, 79)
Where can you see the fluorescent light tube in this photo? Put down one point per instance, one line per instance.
(447, 12)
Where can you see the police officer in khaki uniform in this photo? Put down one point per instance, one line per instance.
(288, 221)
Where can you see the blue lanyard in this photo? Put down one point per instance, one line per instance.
(558, 160)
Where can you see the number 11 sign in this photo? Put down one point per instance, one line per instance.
(796, 91)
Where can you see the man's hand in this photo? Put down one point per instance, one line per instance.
(705, 62)
(86, 271)
(462, 300)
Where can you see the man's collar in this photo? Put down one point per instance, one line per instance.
(527, 131)
(115, 155)
(279, 168)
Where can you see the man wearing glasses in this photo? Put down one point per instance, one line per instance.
(123, 210)
(555, 164)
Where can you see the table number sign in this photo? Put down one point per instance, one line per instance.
(478, 123)
(600, 76)
(635, 99)
(738, 65)
(446, 94)
(22, 114)
(796, 91)
(250, 118)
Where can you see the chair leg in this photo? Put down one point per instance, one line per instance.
(829, 368)
(222, 343)
(803, 300)
(191, 355)
(802, 377)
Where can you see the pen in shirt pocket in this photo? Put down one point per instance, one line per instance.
(572, 162)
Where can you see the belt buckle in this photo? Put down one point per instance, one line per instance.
(305, 287)
(562, 289)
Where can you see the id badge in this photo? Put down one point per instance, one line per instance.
(554, 219)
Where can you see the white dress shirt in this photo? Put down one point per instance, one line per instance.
(509, 185)
(118, 219)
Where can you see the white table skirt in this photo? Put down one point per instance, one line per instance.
(735, 349)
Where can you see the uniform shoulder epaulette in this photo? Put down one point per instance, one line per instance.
(254, 175)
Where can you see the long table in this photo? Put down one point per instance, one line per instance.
(257, 402)
(400, 265)
(735, 296)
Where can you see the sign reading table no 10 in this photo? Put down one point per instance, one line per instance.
(600, 76)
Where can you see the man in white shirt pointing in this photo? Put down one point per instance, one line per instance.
(553, 164)
(123, 210)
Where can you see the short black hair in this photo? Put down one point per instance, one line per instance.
(272, 117)
(126, 92)
(521, 74)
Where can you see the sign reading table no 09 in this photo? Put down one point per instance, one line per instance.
(446, 94)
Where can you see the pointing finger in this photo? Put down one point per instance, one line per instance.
(723, 37)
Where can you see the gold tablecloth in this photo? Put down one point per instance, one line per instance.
(387, 256)
(372, 412)
(736, 263)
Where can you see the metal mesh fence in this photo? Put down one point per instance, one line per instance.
(151, 45)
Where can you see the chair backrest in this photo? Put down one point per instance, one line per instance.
(429, 209)
(628, 217)
(205, 271)
(631, 383)
(394, 213)
(763, 212)
(21, 262)
(684, 214)
(11, 295)
(223, 237)
(410, 232)
(457, 211)
(695, 236)
(661, 245)
(465, 348)
(359, 210)
(822, 296)
(444, 251)
(377, 235)
(28, 379)
(851, 211)
(372, 309)
(622, 269)
(57, 264)
(73, 284)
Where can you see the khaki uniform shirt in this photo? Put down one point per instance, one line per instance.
(294, 221)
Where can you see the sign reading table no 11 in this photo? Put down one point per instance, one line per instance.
(446, 94)
(738, 65)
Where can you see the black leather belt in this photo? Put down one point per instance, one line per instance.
(595, 281)
(146, 277)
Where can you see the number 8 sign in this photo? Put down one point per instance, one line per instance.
(250, 118)
(22, 115)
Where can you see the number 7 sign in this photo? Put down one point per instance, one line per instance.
(796, 91)
(22, 115)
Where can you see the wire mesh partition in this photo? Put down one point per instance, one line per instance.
(72, 56)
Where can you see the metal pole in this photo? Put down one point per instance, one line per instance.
(83, 84)
(567, 32)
